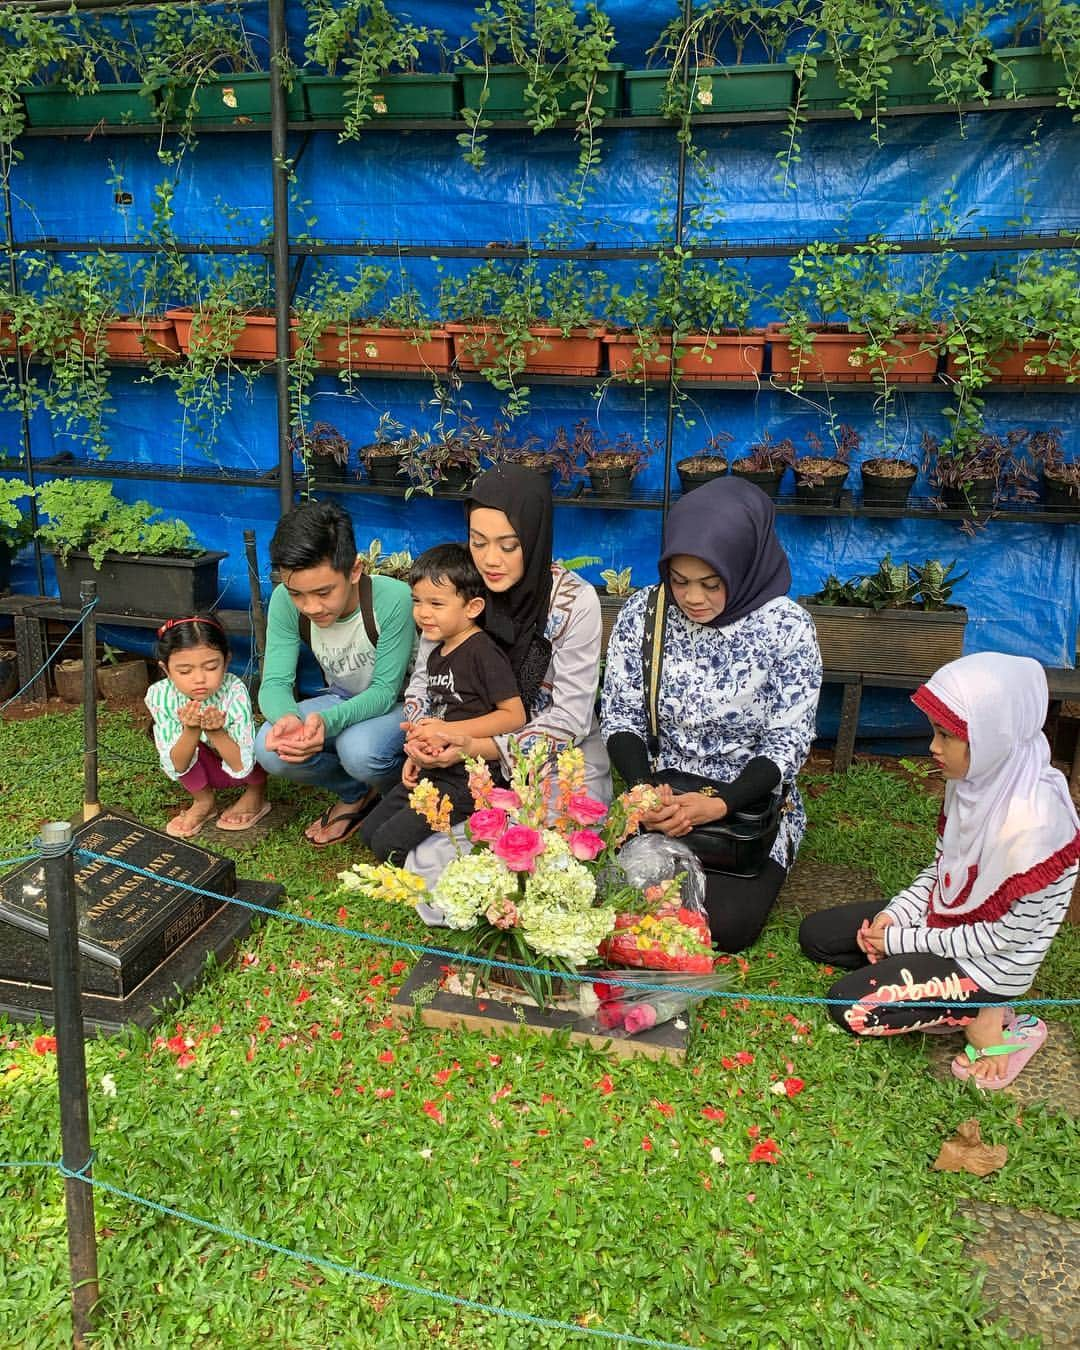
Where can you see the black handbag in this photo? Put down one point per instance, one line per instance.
(738, 845)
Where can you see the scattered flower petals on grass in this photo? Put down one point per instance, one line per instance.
(766, 1151)
(386, 1057)
(646, 1144)
(384, 1093)
(108, 1085)
(714, 1113)
(398, 967)
(665, 1108)
(788, 1087)
(717, 1155)
(302, 996)
(605, 1086)
(589, 1143)
(185, 1060)
(430, 1109)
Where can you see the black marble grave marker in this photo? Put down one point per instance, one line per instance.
(140, 939)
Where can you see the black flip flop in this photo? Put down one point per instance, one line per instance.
(352, 819)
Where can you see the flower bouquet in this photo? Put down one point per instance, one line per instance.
(539, 886)
(615, 1001)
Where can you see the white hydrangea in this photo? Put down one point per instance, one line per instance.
(573, 935)
(469, 885)
(560, 879)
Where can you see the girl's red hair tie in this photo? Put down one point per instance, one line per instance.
(195, 618)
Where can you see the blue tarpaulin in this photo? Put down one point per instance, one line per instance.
(995, 169)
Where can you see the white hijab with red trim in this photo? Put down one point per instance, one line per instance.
(1010, 827)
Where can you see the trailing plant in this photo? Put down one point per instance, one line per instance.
(566, 56)
(594, 452)
(955, 47)
(368, 42)
(450, 450)
(89, 516)
(503, 304)
(32, 46)
(203, 380)
(819, 464)
(713, 452)
(986, 457)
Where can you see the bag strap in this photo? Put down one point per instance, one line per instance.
(367, 613)
(652, 660)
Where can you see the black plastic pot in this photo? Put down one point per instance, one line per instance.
(383, 469)
(455, 479)
(1055, 492)
(881, 489)
(692, 478)
(166, 588)
(611, 482)
(326, 469)
(825, 493)
(768, 480)
(978, 495)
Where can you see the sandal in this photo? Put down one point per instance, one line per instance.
(352, 819)
(253, 819)
(176, 831)
(1026, 1034)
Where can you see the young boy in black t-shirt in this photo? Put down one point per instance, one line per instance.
(469, 683)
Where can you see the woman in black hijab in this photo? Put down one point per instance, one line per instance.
(548, 621)
(718, 706)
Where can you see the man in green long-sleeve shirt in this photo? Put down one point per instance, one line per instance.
(361, 631)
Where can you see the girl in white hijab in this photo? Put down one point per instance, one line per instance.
(974, 926)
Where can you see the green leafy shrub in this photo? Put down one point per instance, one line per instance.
(90, 516)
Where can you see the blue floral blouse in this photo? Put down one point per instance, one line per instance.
(726, 696)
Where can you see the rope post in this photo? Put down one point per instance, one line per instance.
(87, 598)
(56, 850)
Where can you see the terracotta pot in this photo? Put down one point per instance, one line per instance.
(136, 339)
(350, 348)
(257, 341)
(1013, 365)
(577, 354)
(625, 357)
(836, 356)
(126, 681)
(722, 356)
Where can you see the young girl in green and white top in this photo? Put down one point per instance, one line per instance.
(203, 726)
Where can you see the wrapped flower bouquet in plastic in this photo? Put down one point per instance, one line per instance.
(668, 928)
(616, 1003)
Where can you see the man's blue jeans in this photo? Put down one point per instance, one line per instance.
(365, 755)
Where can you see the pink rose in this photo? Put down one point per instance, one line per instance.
(519, 848)
(585, 810)
(502, 914)
(585, 845)
(504, 798)
(485, 826)
(640, 1018)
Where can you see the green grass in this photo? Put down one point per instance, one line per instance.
(850, 1240)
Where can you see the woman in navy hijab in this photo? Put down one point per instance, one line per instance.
(734, 703)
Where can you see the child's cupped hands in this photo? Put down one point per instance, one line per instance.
(213, 719)
(191, 714)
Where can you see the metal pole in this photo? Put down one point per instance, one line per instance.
(258, 614)
(56, 846)
(680, 206)
(91, 805)
(279, 165)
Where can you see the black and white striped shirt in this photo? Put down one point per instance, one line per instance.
(1002, 956)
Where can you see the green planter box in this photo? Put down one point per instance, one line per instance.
(401, 96)
(753, 88)
(506, 92)
(116, 103)
(909, 82)
(1026, 72)
(228, 98)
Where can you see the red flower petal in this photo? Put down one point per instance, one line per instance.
(430, 1109)
(745, 1057)
(398, 967)
(343, 916)
(754, 1131)
(605, 1086)
(265, 1023)
(185, 1060)
(588, 1143)
(302, 996)
(793, 1086)
(44, 1045)
(713, 1113)
(646, 1144)
(383, 1093)
(387, 1057)
(494, 1060)
(664, 1108)
(377, 979)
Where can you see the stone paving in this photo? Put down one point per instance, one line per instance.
(1052, 1076)
(813, 885)
(1032, 1263)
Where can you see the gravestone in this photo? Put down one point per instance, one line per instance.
(142, 940)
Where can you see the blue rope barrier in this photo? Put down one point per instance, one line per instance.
(50, 659)
(340, 1268)
(14, 862)
(586, 978)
